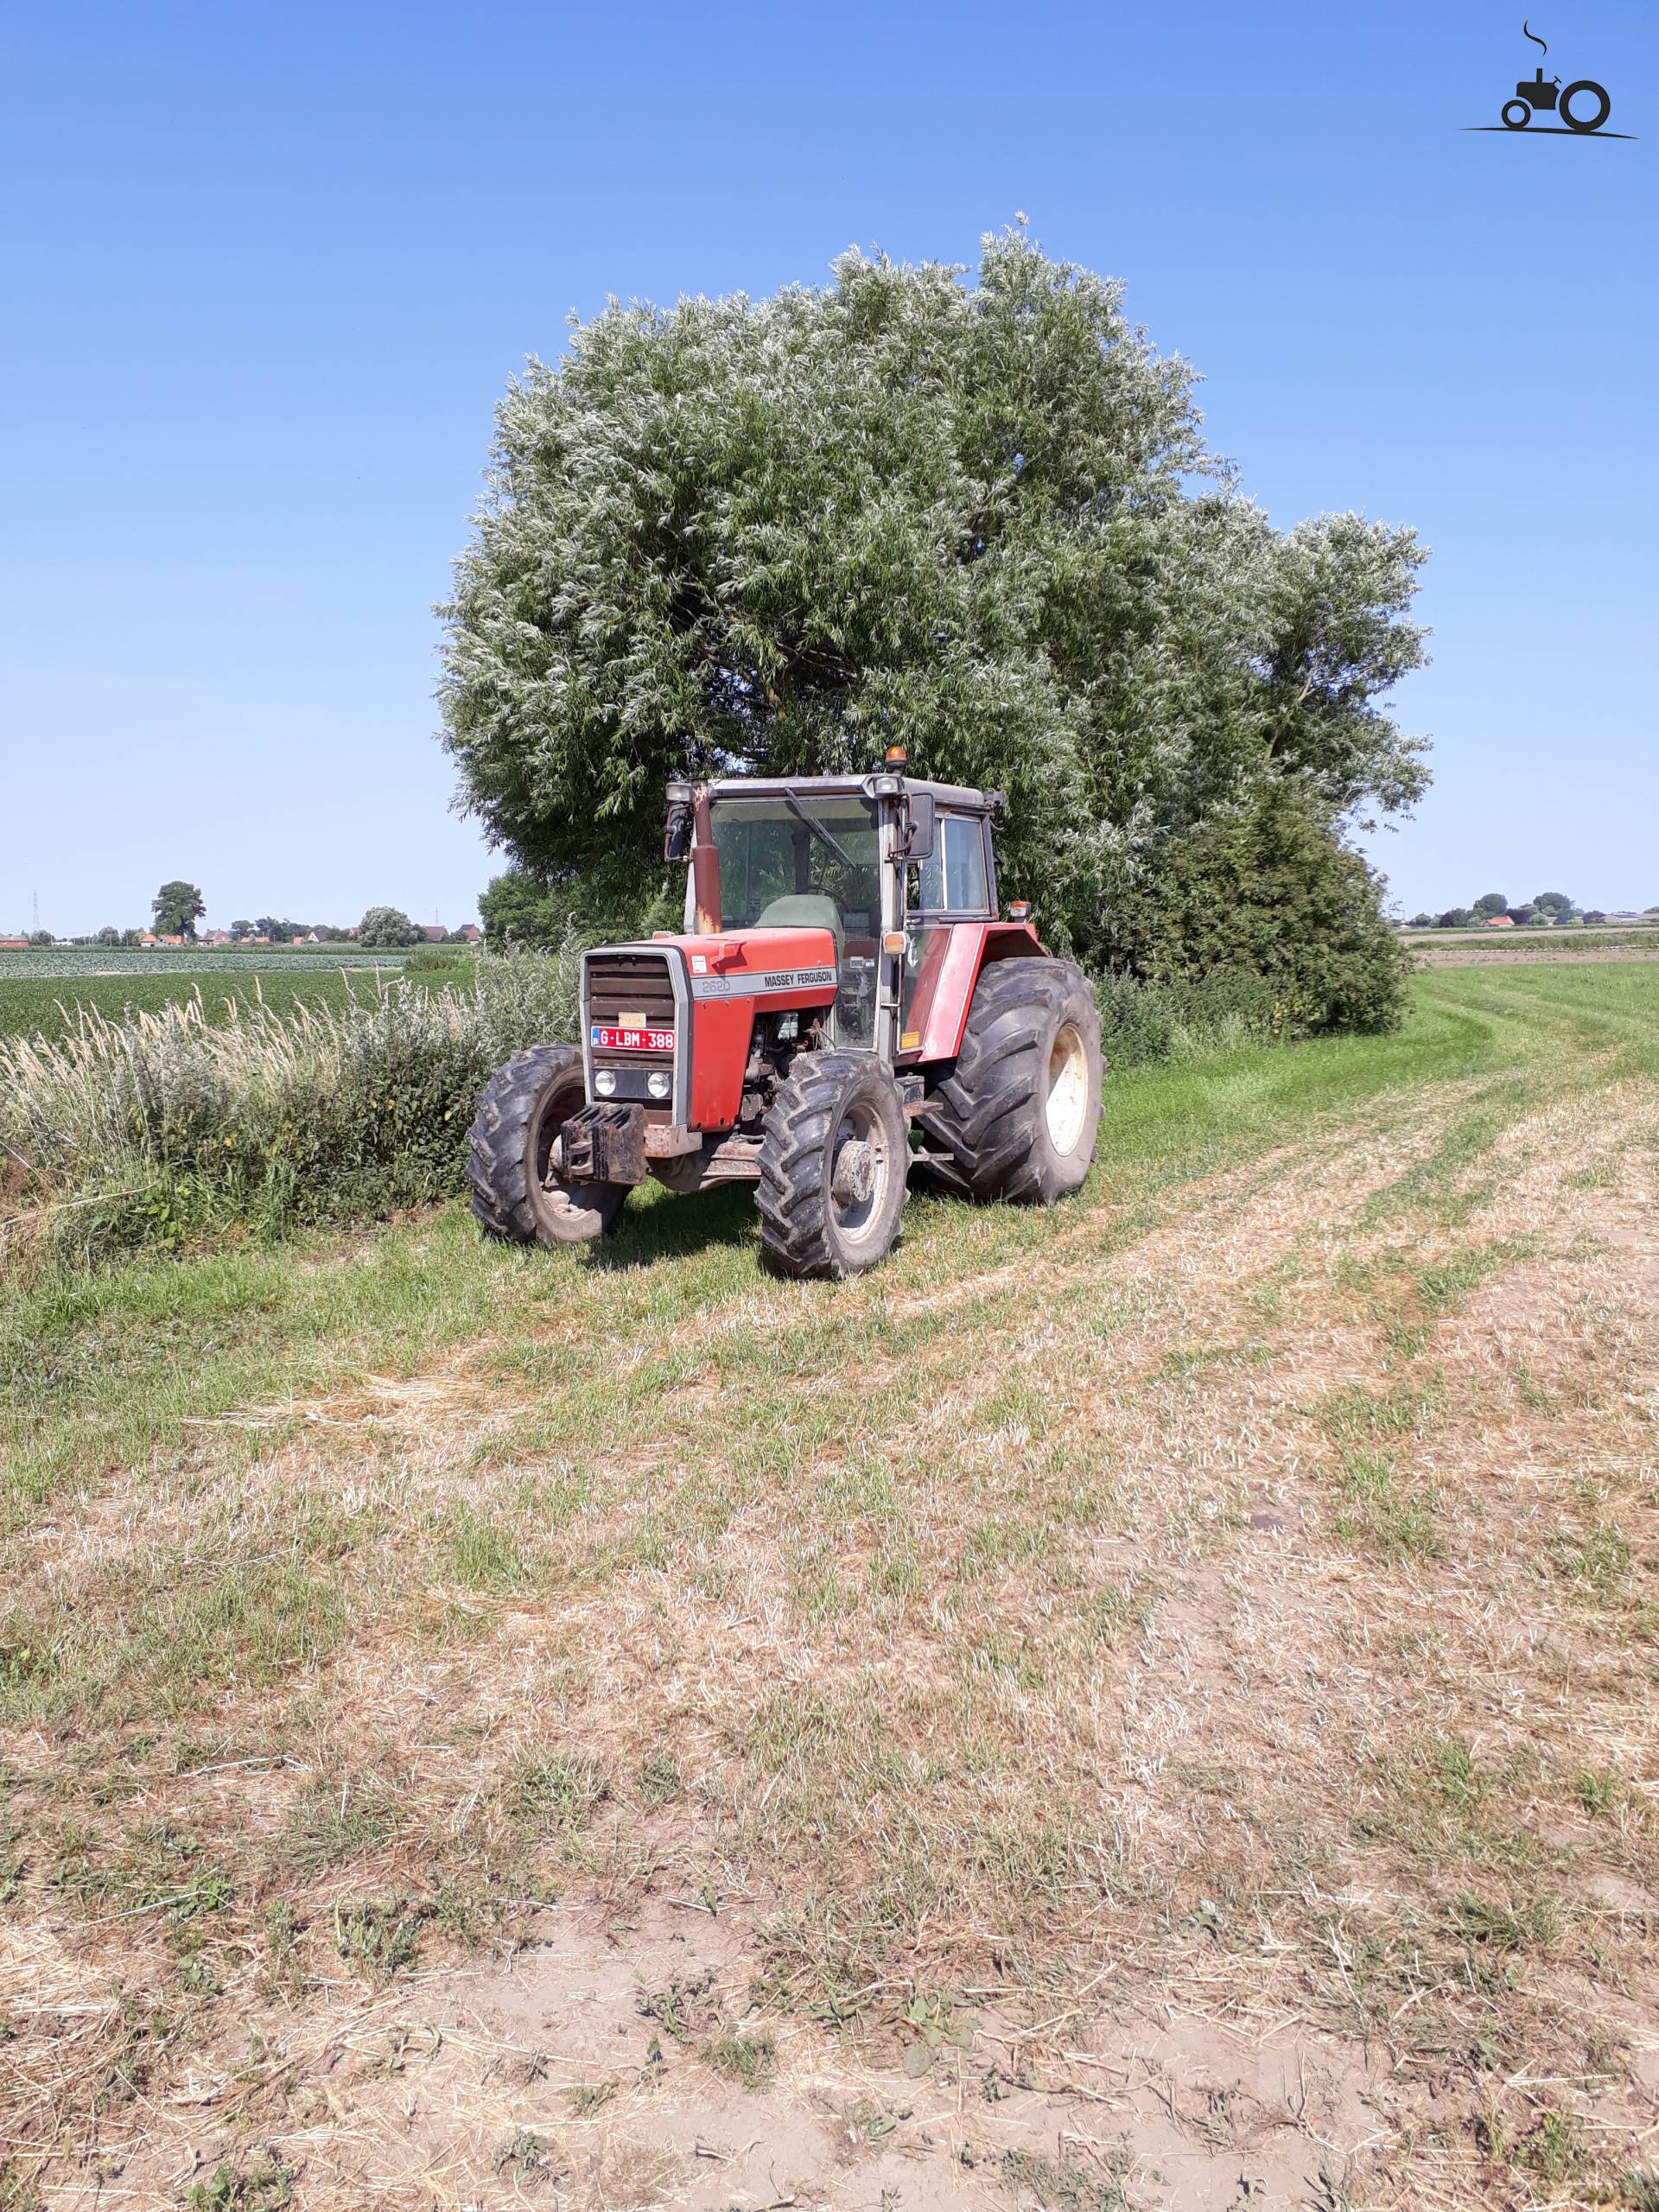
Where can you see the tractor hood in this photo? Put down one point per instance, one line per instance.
(789, 966)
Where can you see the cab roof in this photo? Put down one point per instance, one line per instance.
(955, 795)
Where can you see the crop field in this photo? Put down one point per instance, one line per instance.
(1148, 1704)
(71, 961)
(41, 1006)
(1454, 947)
(47, 1001)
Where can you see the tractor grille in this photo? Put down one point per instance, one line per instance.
(632, 990)
(630, 983)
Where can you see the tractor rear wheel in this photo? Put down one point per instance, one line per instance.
(518, 1193)
(835, 1161)
(1017, 1115)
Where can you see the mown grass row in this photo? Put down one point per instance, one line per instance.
(90, 1365)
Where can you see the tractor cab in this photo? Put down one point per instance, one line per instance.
(881, 863)
(842, 1002)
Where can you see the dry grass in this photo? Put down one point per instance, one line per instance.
(1114, 1705)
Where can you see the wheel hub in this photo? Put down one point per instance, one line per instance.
(854, 1181)
(1067, 1102)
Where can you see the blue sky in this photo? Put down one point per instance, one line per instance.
(266, 269)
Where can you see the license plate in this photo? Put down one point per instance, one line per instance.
(613, 1039)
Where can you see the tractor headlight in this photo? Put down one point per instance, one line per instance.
(604, 1082)
(658, 1084)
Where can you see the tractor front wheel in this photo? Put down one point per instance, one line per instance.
(1017, 1115)
(834, 1160)
(517, 1191)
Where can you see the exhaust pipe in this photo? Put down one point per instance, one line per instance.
(705, 865)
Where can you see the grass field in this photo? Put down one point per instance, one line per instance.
(1146, 1704)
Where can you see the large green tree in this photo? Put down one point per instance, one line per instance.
(177, 906)
(979, 519)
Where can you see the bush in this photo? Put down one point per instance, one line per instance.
(1141, 1023)
(1268, 911)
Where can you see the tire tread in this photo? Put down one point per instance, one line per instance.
(983, 1118)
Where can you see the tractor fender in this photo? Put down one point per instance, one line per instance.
(944, 989)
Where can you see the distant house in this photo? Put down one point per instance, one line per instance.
(471, 932)
(434, 932)
(14, 945)
(1500, 921)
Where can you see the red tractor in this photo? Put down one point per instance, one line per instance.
(843, 1003)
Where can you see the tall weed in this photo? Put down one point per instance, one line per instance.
(165, 1128)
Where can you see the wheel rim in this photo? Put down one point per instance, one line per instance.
(1066, 1105)
(861, 1172)
(550, 1195)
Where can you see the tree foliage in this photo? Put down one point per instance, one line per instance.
(521, 908)
(176, 907)
(385, 926)
(778, 535)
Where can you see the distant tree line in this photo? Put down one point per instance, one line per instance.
(1550, 909)
(178, 906)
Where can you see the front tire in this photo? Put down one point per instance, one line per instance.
(835, 1163)
(1017, 1116)
(517, 1194)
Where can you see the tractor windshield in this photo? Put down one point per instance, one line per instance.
(803, 862)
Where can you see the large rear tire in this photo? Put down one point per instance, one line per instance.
(835, 1163)
(516, 1194)
(1017, 1116)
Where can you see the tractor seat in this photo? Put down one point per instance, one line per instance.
(803, 910)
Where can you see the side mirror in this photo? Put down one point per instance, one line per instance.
(918, 836)
(676, 841)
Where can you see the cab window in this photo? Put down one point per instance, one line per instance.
(952, 880)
